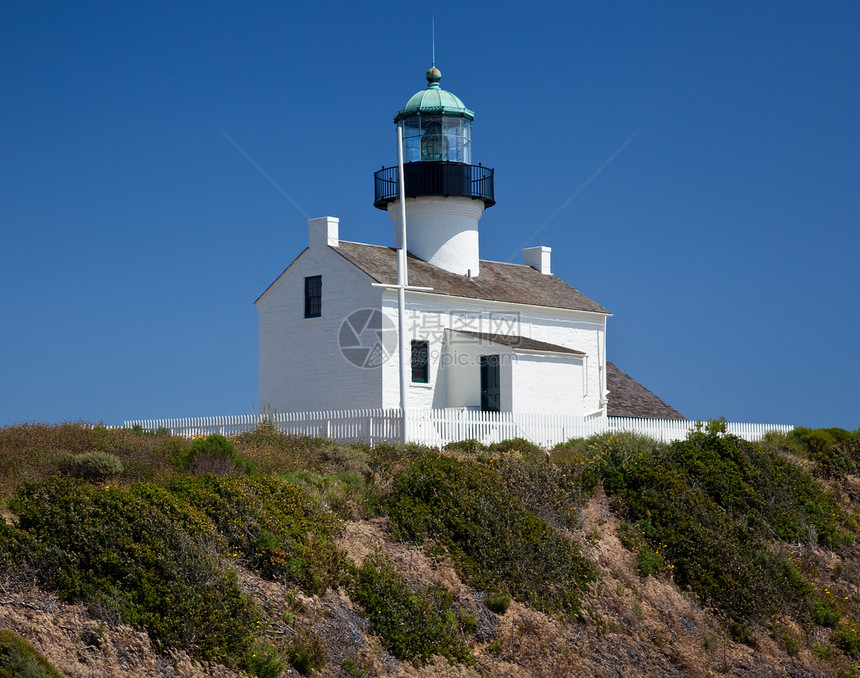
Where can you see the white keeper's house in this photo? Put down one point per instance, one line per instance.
(482, 335)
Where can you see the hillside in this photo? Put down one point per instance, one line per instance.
(134, 553)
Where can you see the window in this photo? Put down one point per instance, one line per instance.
(420, 354)
(313, 296)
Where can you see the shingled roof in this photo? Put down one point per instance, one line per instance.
(523, 343)
(629, 398)
(513, 283)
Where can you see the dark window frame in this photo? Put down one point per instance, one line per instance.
(313, 296)
(420, 361)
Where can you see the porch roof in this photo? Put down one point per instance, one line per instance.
(523, 343)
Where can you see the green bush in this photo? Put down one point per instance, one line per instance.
(125, 558)
(614, 457)
(214, 454)
(272, 451)
(347, 494)
(264, 661)
(553, 492)
(352, 668)
(760, 489)
(469, 446)
(571, 453)
(340, 459)
(277, 527)
(847, 637)
(824, 611)
(650, 562)
(137, 429)
(519, 447)
(710, 505)
(498, 602)
(307, 652)
(411, 625)
(835, 451)
(19, 659)
(17, 564)
(92, 465)
(494, 541)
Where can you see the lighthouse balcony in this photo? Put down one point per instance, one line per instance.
(435, 178)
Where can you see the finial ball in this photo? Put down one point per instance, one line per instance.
(434, 75)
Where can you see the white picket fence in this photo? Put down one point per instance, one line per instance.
(440, 427)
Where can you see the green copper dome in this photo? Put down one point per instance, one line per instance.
(434, 101)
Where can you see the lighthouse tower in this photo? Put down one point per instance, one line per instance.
(445, 193)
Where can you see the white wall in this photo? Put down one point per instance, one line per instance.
(577, 385)
(552, 384)
(301, 365)
(441, 230)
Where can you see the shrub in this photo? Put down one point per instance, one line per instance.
(277, 527)
(214, 454)
(17, 564)
(137, 429)
(727, 564)
(274, 452)
(824, 611)
(493, 539)
(519, 447)
(470, 446)
(352, 668)
(193, 522)
(115, 551)
(411, 625)
(307, 652)
(347, 494)
(759, 489)
(641, 538)
(835, 451)
(847, 637)
(19, 659)
(715, 501)
(264, 661)
(498, 602)
(573, 452)
(777, 441)
(334, 458)
(614, 457)
(553, 492)
(650, 562)
(92, 465)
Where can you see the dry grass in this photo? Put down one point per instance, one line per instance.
(30, 452)
(81, 647)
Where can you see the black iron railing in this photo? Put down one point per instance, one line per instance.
(435, 178)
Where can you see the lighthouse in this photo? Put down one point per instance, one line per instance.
(445, 193)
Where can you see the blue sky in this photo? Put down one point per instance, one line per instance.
(135, 236)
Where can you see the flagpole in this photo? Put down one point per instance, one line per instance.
(402, 282)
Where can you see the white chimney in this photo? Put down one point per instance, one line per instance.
(322, 232)
(537, 258)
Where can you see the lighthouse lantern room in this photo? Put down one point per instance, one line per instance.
(445, 193)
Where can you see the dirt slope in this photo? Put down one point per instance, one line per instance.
(631, 627)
